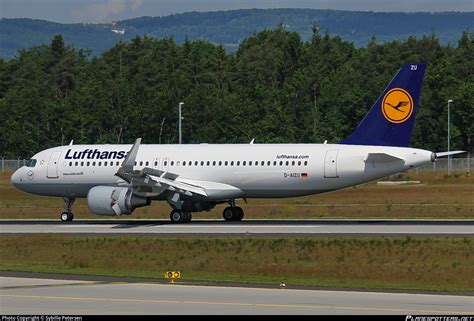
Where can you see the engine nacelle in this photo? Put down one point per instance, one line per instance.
(108, 200)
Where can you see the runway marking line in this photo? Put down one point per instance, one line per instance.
(286, 290)
(296, 306)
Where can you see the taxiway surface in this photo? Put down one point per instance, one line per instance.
(44, 296)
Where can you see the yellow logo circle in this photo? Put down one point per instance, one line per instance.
(397, 105)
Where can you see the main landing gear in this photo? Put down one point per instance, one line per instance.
(178, 216)
(67, 215)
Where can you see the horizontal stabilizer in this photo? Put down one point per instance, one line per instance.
(382, 158)
(454, 152)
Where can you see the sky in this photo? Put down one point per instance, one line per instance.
(93, 11)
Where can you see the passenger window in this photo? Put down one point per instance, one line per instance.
(220, 163)
(172, 163)
(274, 163)
(156, 164)
(250, 163)
(208, 163)
(141, 163)
(145, 163)
(118, 163)
(135, 163)
(232, 163)
(166, 163)
(286, 163)
(100, 163)
(82, 163)
(305, 163)
(238, 163)
(184, 163)
(202, 163)
(268, 163)
(256, 163)
(225, 163)
(299, 163)
(244, 163)
(93, 163)
(88, 163)
(214, 163)
(293, 163)
(105, 163)
(70, 163)
(281, 163)
(195, 163)
(262, 163)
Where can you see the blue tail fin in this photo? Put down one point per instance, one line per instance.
(390, 120)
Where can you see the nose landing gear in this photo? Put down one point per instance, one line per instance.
(67, 215)
(233, 213)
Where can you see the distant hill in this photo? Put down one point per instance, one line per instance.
(229, 28)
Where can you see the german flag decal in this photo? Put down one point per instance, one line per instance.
(304, 175)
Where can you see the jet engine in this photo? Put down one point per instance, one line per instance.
(108, 200)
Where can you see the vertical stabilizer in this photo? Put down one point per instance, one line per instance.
(390, 120)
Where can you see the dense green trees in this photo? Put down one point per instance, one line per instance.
(275, 88)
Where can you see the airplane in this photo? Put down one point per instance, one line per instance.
(117, 179)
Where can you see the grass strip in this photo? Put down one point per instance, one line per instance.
(415, 263)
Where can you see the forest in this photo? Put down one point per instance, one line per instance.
(276, 88)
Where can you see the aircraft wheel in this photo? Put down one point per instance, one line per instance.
(66, 216)
(228, 214)
(239, 213)
(189, 217)
(177, 216)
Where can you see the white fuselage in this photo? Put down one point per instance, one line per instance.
(257, 170)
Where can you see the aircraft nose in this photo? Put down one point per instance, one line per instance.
(17, 177)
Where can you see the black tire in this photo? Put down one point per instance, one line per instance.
(188, 216)
(239, 213)
(66, 216)
(228, 214)
(177, 216)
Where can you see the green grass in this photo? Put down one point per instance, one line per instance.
(420, 263)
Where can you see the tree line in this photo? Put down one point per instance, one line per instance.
(275, 88)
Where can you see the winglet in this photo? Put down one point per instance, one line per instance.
(129, 161)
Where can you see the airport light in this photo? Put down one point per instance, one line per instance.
(180, 119)
(449, 156)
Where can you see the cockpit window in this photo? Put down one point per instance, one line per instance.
(30, 163)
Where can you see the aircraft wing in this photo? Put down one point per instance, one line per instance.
(150, 182)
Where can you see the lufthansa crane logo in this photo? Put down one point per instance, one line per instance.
(397, 105)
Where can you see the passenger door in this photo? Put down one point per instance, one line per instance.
(52, 170)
